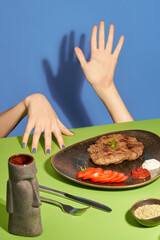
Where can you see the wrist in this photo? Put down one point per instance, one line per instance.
(31, 98)
(103, 91)
(25, 108)
(28, 102)
(113, 102)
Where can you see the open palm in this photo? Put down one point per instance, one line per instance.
(99, 71)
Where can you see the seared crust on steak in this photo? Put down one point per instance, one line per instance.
(126, 148)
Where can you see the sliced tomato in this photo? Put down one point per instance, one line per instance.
(106, 174)
(102, 176)
(86, 172)
(113, 177)
(107, 179)
(97, 172)
(108, 171)
(123, 178)
(116, 179)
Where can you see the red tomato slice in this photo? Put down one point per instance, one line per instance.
(86, 172)
(116, 179)
(107, 179)
(97, 172)
(108, 171)
(106, 174)
(113, 177)
(123, 178)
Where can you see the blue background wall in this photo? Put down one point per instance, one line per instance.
(36, 55)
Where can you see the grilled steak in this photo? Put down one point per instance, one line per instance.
(115, 148)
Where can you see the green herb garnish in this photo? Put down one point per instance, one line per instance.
(112, 143)
(82, 168)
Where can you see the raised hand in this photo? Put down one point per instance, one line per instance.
(99, 71)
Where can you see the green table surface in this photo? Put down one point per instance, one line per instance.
(93, 224)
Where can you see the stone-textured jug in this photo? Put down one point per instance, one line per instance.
(23, 202)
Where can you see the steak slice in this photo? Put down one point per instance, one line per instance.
(114, 149)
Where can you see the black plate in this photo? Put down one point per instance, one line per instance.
(69, 161)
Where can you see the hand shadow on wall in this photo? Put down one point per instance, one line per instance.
(66, 86)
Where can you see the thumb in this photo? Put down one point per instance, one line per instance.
(80, 56)
(118, 47)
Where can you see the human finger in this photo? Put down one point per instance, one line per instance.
(80, 56)
(27, 132)
(109, 43)
(36, 136)
(58, 136)
(119, 46)
(101, 38)
(48, 140)
(94, 38)
(64, 130)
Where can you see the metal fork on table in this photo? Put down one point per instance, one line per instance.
(66, 208)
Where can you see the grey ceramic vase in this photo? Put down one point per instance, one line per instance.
(23, 202)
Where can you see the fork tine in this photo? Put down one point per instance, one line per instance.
(80, 211)
(74, 211)
(66, 208)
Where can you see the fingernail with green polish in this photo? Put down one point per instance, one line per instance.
(48, 151)
(34, 150)
(63, 146)
(23, 145)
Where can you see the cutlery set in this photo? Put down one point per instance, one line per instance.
(70, 209)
